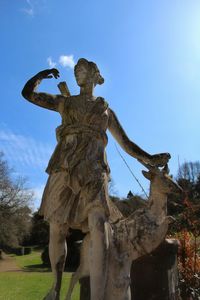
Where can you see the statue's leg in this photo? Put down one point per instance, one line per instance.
(83, 269)
(97, 253)
(57, 254)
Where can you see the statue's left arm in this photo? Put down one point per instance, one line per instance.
(130, 147)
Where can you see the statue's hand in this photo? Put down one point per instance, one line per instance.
(48, 73)
(160, 160)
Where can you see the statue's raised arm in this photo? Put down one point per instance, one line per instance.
(42, 99)
(131, 148)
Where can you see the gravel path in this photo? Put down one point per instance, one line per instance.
(8, 264)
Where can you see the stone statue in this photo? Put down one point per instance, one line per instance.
(76, 193)
(132, 237)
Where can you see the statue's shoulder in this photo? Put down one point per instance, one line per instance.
(64, 102)
(103, 102)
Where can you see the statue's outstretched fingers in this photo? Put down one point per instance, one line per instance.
(55, 73)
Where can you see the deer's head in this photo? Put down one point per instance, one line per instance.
(160, 179)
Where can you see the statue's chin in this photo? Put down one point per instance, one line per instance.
(80, 82)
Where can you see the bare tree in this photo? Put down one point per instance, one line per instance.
(14, 211)
(189, 171)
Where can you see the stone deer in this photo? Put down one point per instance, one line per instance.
(131, 237)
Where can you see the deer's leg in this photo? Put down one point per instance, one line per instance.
(97, 253)
(57, 254)
(83, 269)
(75, 277)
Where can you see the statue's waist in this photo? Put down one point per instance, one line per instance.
(94, 131)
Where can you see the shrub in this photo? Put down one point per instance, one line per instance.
(189, 265)
(45, 256)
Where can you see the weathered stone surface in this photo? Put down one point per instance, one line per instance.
(131, 238)
(155, 276)
(76, 193)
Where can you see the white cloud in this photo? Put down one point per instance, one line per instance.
(38, 192)
(51, 63)
(24, 151)
(67, 61)
(34, 6)
(30, 9)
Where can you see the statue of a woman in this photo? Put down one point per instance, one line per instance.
(76, 193)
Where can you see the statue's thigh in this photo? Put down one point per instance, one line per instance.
(58, 231)
(96, 219)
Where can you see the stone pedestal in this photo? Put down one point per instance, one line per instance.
(155, 276)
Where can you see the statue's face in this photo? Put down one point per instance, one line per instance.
(81, 74)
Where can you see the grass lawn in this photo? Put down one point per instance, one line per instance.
(31, 262)
(34, 283)
(30, 286)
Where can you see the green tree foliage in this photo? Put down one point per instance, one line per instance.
(14, 210)
(130, 204)
(39, 234)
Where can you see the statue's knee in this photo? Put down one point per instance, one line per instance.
(60, 263)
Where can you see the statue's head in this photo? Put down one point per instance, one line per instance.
(87, 72)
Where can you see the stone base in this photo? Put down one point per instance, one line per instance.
(155, 276)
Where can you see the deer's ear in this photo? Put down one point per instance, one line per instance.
(147, 175)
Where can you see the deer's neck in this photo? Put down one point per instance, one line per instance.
(158, 202)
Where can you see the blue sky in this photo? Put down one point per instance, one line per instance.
(149, 55)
